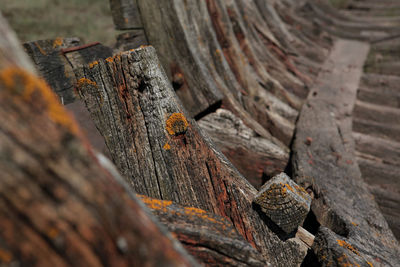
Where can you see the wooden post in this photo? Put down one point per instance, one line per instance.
(162, 152)
(58, 205)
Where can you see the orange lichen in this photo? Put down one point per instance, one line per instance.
(289, 187)
(94, 63)
(370, 264)
(84, 81)
(344, 244)
(176, 124)
(353, 223)
(200, 213)
(57, 42)
(53, 233)
(155, 204)
(167, 146)
(24, 85)
(110, 59)
(344, 261)
(5, 256)
(190, 210)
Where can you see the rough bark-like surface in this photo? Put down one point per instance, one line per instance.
(210, 238)
(58, 206)
(55, 60)
(225, 49)
(257, 158)
(163, 153)
(323, 159)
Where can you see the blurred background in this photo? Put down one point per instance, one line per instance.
(90, 20)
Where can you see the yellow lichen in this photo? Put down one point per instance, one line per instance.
(84, 81)
(167, 146)
(24, 85)
(94, 63)
(57, 42)
(344, 244)
(176, 124)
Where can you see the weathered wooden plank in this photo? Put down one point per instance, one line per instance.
(222, 54)
(162, 152)
(257, 158)
(58, 205)
(210, 238)
(323, 159)
(55, 59)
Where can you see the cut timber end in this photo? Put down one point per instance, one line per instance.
(284, 202)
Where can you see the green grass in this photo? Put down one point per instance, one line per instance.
(33, 20)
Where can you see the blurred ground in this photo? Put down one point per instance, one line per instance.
(89, 20)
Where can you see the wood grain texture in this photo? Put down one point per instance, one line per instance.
(342, 203)
(257, 158)
(163, 153)
(55, 60)
(58, 205)
(210, 238)
(227, 51)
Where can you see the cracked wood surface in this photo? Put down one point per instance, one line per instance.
(343, 205)
(210, 238)
(58, 205)
(55, 60)
(132, 102)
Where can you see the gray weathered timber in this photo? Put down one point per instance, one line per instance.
(168, 26)
(130, 40)
(210, 238)
(284, 202)
(162, 152)
(58, 205)
(55, 59)
(207, 50)
(125, 14)
(255, 157)
(323, 160)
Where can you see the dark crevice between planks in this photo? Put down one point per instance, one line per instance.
(311, 260)
(211, 109)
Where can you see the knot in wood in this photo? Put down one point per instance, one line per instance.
(284, 202)
(176, 124)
